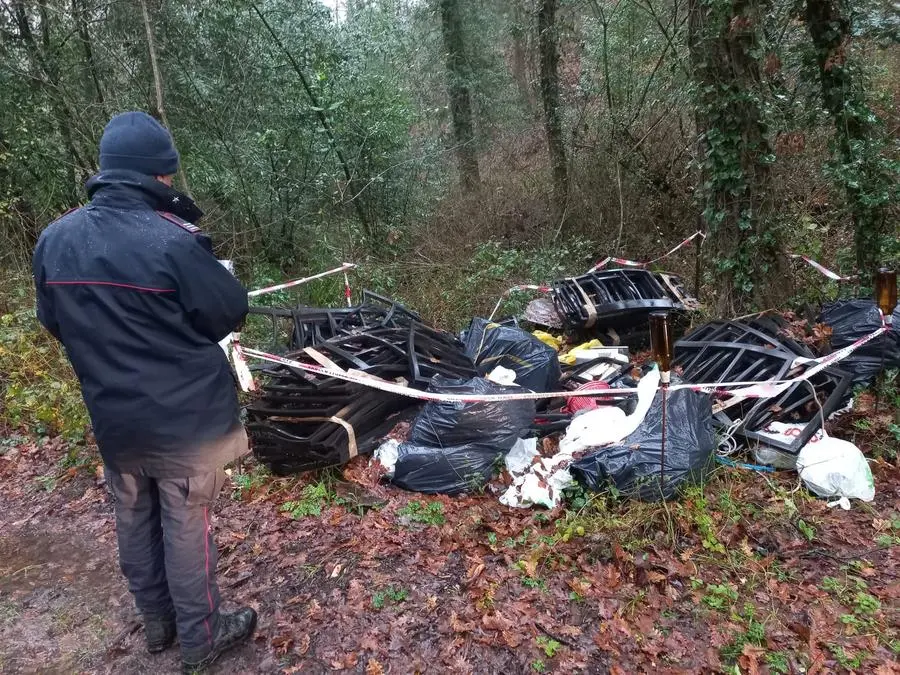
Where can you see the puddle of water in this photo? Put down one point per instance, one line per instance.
(30, 558)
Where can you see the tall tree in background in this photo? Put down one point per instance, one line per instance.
(158, 85)
(458, 90)
(519, 55)
(549, 53)
(45, 77)
(323, 120)
(726, 53)
(864, 174)
(92, 87)
(309, 138)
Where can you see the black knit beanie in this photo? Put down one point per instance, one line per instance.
(136, 141)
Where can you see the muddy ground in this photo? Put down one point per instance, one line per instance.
(749, 572)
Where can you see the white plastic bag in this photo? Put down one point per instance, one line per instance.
(535, 483)
(501, 375)
(521, 456)
(542, 483)
(831, 467)
(388, 453)
(608, 424)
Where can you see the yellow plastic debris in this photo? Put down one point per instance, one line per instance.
(569, 357)
(548, 339)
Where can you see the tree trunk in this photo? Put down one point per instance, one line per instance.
(735, 151)
(549, 53)
(458, 91)
(45, 75)
(831, 32)
(93, 89)
(157, 81)
(519, 59)
(19, 225)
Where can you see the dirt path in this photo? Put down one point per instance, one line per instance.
(351, 576)
(64, 605)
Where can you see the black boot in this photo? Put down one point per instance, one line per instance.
(233, 629)
(160, 633)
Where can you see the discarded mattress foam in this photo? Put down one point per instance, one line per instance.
(639, 467)
(454, 446)
(542, 312)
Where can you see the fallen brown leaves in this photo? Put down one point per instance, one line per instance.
(640, 588)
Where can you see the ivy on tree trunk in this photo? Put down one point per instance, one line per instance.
(868, 179)
(735, 153)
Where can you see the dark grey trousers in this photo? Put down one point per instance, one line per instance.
(167, 552)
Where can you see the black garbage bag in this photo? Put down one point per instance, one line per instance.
(633, 466)
(450, 470)
(535, 363)
(455, 447)
(851, 320)
(497, 423)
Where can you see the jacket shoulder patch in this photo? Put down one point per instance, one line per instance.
(183, 224)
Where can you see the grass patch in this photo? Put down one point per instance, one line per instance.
(753, 633)
(719, 596)
(864, 614)
(9, 612)
(312, 500)
(806, 529)
(847, 659)
(391, 595)
(38, 389)
(248, 482)
(429, 513)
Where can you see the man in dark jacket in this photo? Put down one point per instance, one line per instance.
(132, 290)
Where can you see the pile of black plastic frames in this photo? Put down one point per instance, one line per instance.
(303, 421)
(757, 351)
(619, 301)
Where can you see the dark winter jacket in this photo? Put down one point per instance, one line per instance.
(137, 298)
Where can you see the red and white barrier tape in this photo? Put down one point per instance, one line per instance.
(520, 287)
(634, 263)
(241, 369)
(770, 389)
(403, 390)
(298, 282)
(752, 389)
(600, 265)
(834, 276)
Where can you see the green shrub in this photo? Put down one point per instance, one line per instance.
(38, 389)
